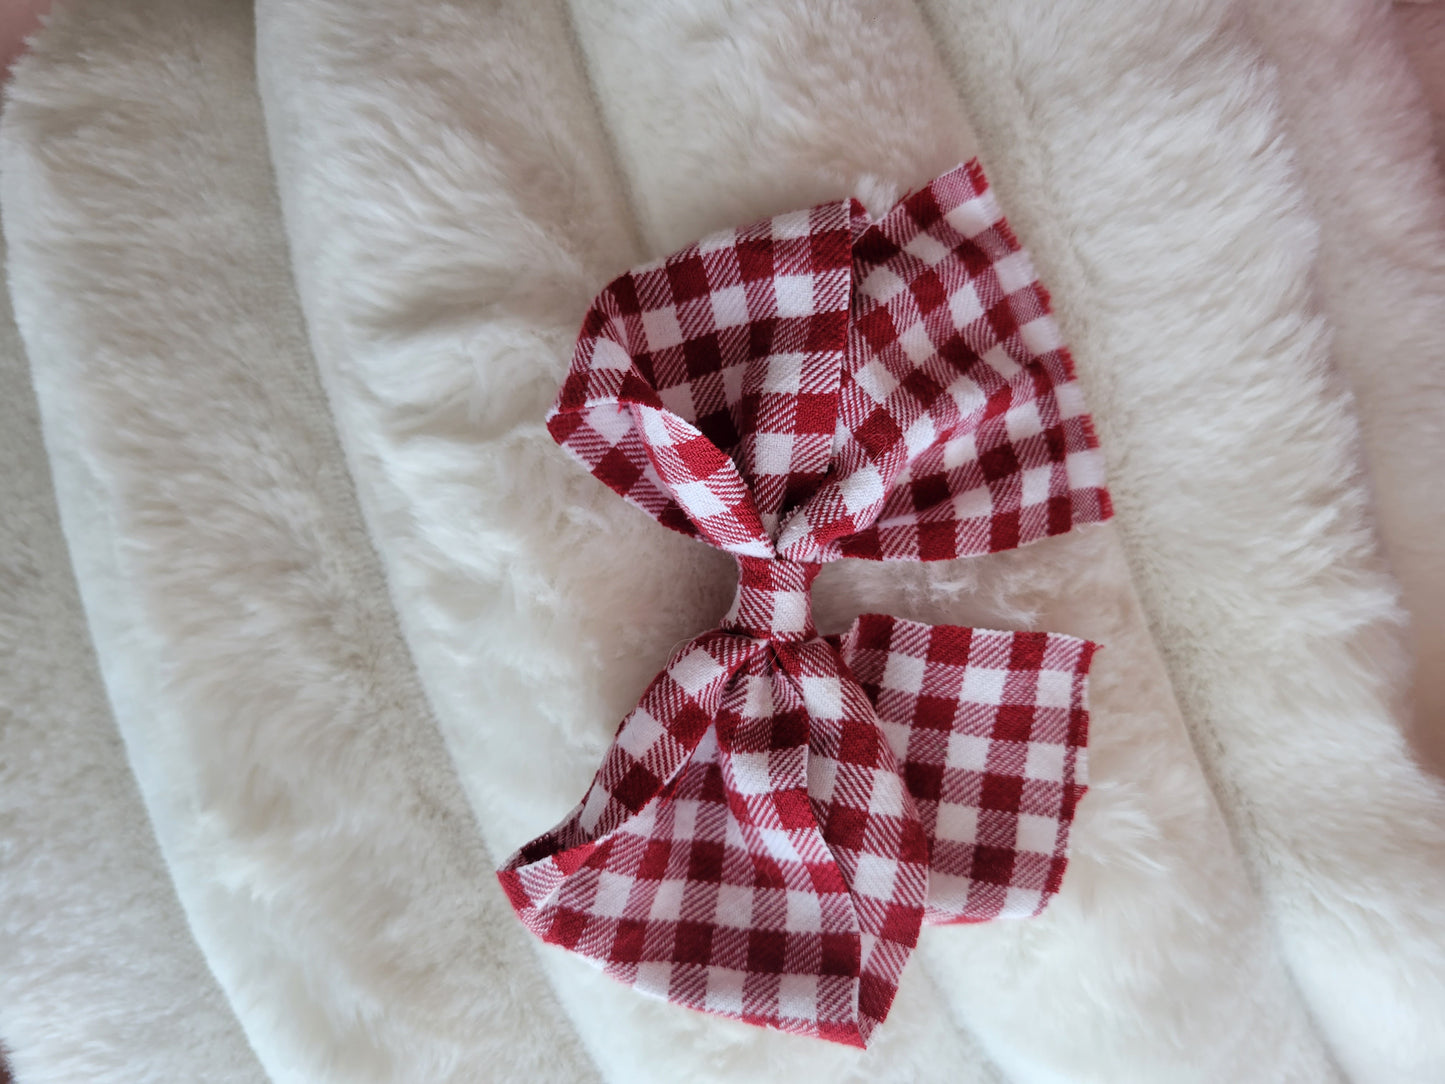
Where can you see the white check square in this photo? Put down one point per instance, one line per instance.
(823, 696)
(927, 249)
(875, 379)
(667, 902)
(805, 912)
(1055, 689)
(725, 990)
(798, 997)
(757, 695)
(964, 306)
(607, 354)
(794, 294)
(875, 876)
(916, 344)
(698, 499)
(662, 328)
(921, 436)
(610, 423)
(862, 488)
(1037, 834)
(958, 823)
(734, 906)
(752, 772)
(773, 453)
(974, 216)
(1013, 271)
(983, 686)
(904, 673)
(1021, 903)
(1001, 361)
(612, 892)
(886, 797)
(1023, 421)
(881, 284)
(654, 977)
(784, 373)
(1037, 485)
(721, 241)
(1045, 761)
(639, 734)
(593, 806)
(729, 307)
(695, 672)
(791, 612)
(684, 819)
(967, 751)
(975, 503)
(1041, 336)
(793, 224)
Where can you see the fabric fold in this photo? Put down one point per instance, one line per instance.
(307, 814)
(1235, 458)
(728, 886)
(100, 979)
(1380, 282)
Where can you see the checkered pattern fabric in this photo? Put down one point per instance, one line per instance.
(990, 729)
(782, 811)
(748, 847)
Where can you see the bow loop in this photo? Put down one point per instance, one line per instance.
(782, 811)
(738, 342)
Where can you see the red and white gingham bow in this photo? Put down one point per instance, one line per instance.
(783, 810)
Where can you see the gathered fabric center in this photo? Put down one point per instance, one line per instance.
(774, 599)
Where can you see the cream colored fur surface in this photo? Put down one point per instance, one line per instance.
(312, 823)
(99, 977)
(1374, 185)
(365, 629)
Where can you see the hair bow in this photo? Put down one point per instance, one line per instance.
(783, 810)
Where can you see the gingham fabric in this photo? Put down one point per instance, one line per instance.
(783, 810)
(990, 730)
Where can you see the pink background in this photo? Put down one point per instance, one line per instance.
(17, 18)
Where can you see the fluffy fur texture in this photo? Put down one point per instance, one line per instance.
(1371, 177)
(1177, 241)
(1421, 30)
(454, 193)
(310, 818)
(99, 977)
(1156, 946)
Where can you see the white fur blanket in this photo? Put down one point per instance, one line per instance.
(296, 287)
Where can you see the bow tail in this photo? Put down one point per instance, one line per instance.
(868, 822)
(592, 882)
(694, 869)
(990, 731)
(822, 811)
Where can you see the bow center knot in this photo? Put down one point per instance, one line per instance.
(774, 599)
